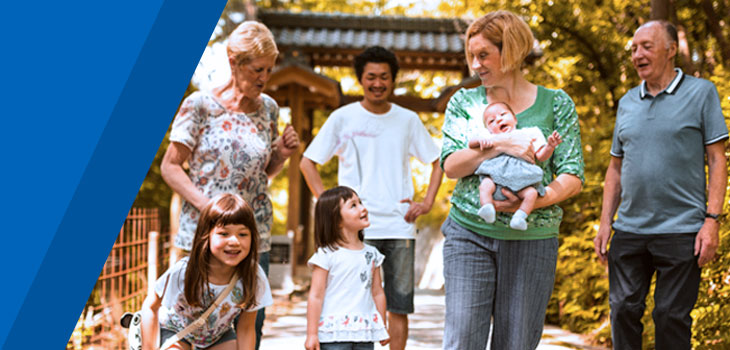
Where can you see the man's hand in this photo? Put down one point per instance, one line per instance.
(707, 241)
(600, 243)
(415, 210)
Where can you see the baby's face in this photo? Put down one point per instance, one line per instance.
(498, 119)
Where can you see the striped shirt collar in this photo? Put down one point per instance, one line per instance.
(671, 89)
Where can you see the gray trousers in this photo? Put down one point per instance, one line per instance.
(509, 281)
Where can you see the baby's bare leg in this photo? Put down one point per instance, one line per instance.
(486, 190)
(528, 196)
(519, 218)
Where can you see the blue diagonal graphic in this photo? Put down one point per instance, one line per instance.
(117, 164)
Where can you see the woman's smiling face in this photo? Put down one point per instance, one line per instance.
(486, 61)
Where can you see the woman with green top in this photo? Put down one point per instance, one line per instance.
(491, 270)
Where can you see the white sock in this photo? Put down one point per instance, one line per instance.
(487, 213)
(518, 220)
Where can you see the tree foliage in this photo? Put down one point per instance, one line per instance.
(585, 45)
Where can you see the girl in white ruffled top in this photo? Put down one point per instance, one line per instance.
(346, 300)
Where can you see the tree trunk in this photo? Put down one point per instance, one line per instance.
(716, 30)
(660, 9)
(685, 58)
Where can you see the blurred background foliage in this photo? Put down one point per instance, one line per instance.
(585, 45)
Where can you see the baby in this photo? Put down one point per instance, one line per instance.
(504, 171)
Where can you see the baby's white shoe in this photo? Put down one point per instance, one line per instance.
(518, 221)
(487, 213)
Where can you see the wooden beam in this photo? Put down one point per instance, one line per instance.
(293, 222)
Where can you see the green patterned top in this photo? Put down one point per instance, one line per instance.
(552, 110)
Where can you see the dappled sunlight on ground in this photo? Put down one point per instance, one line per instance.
(286, 325)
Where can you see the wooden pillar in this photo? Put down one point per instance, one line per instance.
(306, 208)
(293, 222)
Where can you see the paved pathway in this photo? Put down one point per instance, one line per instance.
(286, 326)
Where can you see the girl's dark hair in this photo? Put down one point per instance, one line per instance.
(223, 209)
(327, 218)
(376, 54)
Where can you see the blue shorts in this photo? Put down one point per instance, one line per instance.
(165, 333)
(398, 273)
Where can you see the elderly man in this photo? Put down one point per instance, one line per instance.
(666, 223)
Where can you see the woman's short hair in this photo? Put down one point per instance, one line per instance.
(508, 32)
(251, 40)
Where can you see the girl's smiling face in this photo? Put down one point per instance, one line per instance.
(353, 214)
(230, 244)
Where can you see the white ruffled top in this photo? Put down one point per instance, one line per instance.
(348, 310)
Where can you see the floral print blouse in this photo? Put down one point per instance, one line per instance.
(229, 153)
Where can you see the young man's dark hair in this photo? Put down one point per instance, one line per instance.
(376, 54)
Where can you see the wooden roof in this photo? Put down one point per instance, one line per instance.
(333, 39)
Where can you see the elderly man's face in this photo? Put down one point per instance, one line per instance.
(650, 54)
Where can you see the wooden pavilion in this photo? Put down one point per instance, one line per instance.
(308, 39)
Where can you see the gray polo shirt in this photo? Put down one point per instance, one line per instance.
(662, 142)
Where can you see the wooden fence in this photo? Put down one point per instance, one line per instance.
(123, 283)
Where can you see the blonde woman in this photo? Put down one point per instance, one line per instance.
(230, 140)
(493, 271)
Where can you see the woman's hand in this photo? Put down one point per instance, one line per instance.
(289, 141)
(520, 147)
(509, 205)
(282, 148)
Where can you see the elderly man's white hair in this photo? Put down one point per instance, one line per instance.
(670, 30)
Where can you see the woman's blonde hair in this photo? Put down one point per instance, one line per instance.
(249, 41)
(508, 32)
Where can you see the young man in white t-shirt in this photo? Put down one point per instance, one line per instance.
(374, 140)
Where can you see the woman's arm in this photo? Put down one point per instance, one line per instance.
(465, 161)
(563, 187)
(282, 149)
(246, 331)
(314, 306)
(379, 298)
(150, 322)
(175, 176)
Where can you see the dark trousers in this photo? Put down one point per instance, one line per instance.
(632, 261)
(261, 315)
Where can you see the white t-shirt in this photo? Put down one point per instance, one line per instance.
(175, 313)
(348, 310)
(374, 152)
